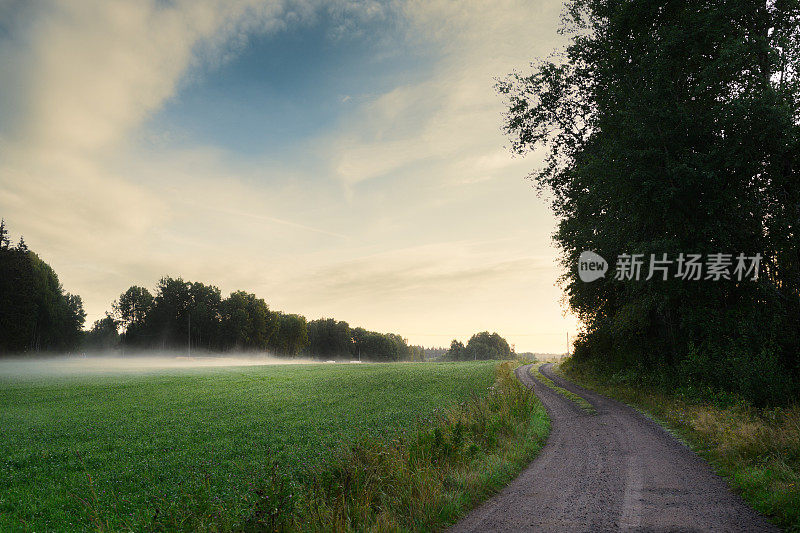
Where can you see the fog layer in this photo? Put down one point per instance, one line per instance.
(105, 364)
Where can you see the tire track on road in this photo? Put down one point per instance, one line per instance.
(613, 471)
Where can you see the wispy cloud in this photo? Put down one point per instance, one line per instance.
(265, 218)
(373, 232)
(455, 114)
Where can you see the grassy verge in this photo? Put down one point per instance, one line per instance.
(580, 401)
(757, 450)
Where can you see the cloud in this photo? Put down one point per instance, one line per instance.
(454, 114)
(97, 68)
(446, 268)
(86, 74)
(385, 230)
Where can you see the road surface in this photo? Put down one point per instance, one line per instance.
(613, 471)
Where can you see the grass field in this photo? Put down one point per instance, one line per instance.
(118, 452)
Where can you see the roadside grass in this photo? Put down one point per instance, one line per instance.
(757, 450)
(579, 400)
(281, 448)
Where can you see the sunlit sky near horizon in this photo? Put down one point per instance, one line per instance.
(341, 159)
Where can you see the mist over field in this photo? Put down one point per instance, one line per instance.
(179, 449)
(113, 364)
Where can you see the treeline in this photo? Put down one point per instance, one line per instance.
(36, 314)
(674, 128)
(183, 314)
(434, 353)
(483, 345)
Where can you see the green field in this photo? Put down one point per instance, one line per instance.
(121, 449)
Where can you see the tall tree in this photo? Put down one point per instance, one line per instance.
(247, 322)
(133, 305)
(167, 322)
(204, 314)
(456, 351)
(36, 314)
(672, 127)
(5, 242)
(485, 345)
(292, 335)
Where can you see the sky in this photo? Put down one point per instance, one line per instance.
(339, 159)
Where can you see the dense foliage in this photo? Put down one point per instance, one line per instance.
(673, 127)
(35, 313)
(481, 346)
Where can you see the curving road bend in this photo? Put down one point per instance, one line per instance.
(613, 471)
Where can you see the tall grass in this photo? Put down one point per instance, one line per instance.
(757, 450)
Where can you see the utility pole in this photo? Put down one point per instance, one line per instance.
(568, 344)
(190, 335)
(131, 321)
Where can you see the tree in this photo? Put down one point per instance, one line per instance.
(247, 323)
(18, 309)
(133, 305)
(456, 351)
(672, 127)
(435, 353)
(485, 345)
(204, 314)
(329, 338)
(292, 335)
(71, 321)
(36, 314)
(4, 240)
(130, 311)
(159, 321)
(374, 346)
(400, 350)
(103, 336)
(417, 353)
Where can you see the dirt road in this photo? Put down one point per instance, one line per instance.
(613, 471)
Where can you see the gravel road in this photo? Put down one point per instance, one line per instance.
(613, 471)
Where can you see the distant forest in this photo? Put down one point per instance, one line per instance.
(37, 315)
